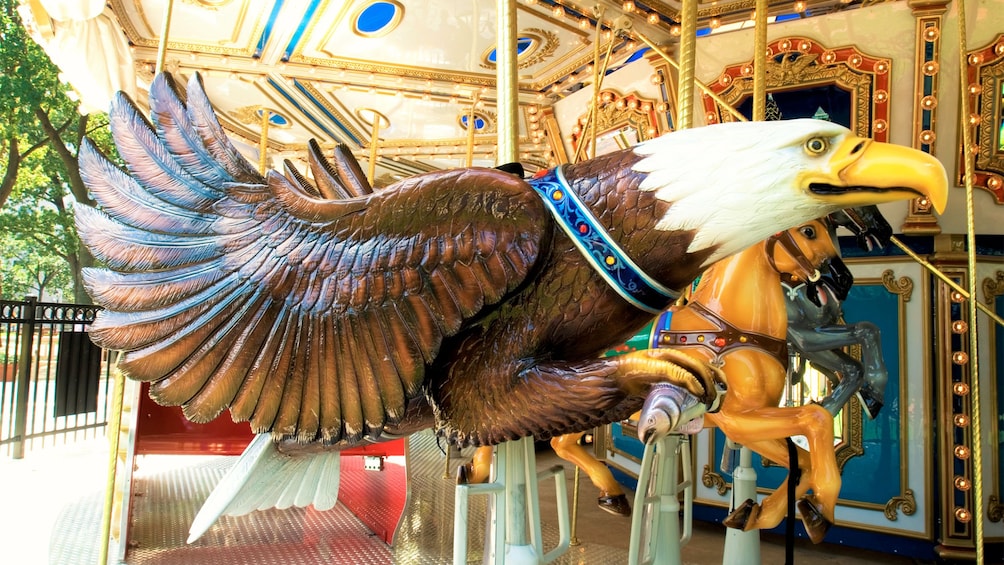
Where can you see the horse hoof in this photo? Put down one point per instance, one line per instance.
(464, 474)
(869, 402)
(816, 525)
(744, 515)
(615, 504)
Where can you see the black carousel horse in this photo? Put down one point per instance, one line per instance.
(817, 333)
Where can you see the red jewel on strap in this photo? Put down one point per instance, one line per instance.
(719, 341)
(683, 339)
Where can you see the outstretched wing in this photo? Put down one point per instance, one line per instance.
(311, 311)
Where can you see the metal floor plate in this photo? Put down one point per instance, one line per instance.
(167, 499)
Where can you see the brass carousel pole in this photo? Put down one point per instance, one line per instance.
(374, 138)
(967, 159)
(944, 278)
(688, 63)
(741, 544)
(470, 137)
(263, 142)
(760, 62)
(597, 80)
(114, 429)
(165, 30)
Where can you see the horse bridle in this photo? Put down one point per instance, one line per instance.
(787, 242)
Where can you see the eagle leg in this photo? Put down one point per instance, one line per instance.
(639, 370)
(553, 398)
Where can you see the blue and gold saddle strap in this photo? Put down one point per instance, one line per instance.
(599, 249)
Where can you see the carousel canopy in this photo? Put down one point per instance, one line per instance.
(333, 70)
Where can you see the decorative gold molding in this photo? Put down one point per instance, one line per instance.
(993, 287)
(798, 62)
(905, 501)
(995, 510)
(985, 76)
(902, 286)
(616, 111)
(853, 444)
(920, 217)
(136, 38)
(710, 479)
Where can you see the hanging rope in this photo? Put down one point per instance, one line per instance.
(967, 159)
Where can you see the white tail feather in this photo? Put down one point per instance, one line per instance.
(264, 478)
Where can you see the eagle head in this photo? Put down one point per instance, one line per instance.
(768, 176)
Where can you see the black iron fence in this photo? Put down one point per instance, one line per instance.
(56, 384)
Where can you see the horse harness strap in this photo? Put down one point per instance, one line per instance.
(723, 339)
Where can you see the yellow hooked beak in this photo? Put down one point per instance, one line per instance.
(863, 171)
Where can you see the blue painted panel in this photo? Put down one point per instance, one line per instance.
(875, 476)
(267, 32)
(627, 444)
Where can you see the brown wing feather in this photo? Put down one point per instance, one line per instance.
(310, 317)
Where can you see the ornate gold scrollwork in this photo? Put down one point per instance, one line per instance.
(903, 286)
(995, 510)
(905, 502)
(985, 76)
(797, 62)
(710, 479)
(993, 287)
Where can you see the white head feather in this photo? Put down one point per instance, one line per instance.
(754, 165)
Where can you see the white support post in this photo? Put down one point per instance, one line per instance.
(742, 548)
(514, 531)
(655, 522)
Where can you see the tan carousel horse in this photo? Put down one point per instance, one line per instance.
(737, 318)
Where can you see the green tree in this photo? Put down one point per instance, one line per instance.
(40, 133)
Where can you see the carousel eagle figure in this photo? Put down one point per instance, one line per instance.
(327, 313)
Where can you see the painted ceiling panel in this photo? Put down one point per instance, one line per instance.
(233, 26)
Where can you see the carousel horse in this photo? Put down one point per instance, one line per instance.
(737, 320)
(816, 332)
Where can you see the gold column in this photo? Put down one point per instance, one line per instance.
(760, 62)
(507, 85)
(688, 63)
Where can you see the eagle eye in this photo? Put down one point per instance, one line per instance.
(816, 146)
